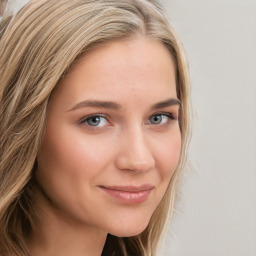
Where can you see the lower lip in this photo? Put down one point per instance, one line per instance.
(128, 197)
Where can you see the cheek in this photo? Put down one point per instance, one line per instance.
(168, 155)
(60, 162)
(68, 156)
(69, 163)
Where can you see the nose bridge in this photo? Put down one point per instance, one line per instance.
(135, 153)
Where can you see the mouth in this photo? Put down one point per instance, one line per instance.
(129, 194)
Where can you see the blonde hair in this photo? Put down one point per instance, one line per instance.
(37, 48)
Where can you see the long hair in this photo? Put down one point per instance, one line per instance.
(37, 48)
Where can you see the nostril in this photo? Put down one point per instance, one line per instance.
(135, 162)
(134, 152)
(143, 166)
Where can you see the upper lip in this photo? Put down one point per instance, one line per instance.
(130, 188)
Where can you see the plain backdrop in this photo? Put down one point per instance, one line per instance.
(216, 208)
(215, 213)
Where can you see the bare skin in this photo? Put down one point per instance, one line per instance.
(58, 235)
(111, 146)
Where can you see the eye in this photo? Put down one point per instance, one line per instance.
(161, 118)
(96, 121)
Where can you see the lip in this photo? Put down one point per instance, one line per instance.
(129, 194)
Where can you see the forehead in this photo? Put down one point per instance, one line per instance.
(133, 68)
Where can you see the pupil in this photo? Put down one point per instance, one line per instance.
(94, 120)
(157, 119)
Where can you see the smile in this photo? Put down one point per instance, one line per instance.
(129, 194)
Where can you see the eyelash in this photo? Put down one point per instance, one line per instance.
(170, 117)
(85, 120)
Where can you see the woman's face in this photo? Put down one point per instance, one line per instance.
(112, 140)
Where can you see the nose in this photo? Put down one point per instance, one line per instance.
(134, 153)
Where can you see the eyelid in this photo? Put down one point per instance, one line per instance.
(171, 118)
(83, 119)
(171, 115)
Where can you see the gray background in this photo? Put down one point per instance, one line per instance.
(216, 207)
(216, 211)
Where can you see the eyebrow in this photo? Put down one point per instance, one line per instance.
(97, 104)
(166, 103)
(116, 106)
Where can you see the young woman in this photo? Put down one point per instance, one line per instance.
(94, 127)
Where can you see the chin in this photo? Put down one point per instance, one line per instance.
(128, 230)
